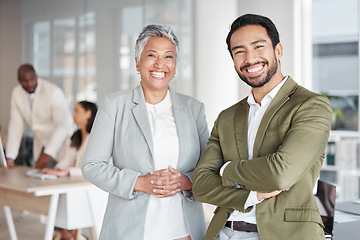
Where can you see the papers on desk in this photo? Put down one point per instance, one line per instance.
(35, 173)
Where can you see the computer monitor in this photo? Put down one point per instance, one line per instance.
(325, 199)
(2, 156)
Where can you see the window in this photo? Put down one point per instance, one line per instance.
(175, 13)
(336, 59)
(64, 53)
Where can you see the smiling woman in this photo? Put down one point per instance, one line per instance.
(157, 66)
(155, 137)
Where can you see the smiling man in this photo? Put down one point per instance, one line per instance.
(264, 154)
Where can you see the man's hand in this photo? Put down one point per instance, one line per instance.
(43, 161)
(261, 196)
(10, 162)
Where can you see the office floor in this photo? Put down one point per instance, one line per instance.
(28, 226)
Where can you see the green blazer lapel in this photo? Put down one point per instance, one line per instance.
(181, 124)
(140, 114)
(281, 97)
(241, 126)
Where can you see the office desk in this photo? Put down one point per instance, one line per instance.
(22, 192)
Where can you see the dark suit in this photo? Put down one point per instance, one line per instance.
(288, 154)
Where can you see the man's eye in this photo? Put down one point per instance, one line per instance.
(239, 52)
(259, 46)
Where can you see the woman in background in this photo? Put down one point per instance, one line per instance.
(84, 115)
(155, 137)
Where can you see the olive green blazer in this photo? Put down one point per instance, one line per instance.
(288, 154)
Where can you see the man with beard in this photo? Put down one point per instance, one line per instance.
(264, 154)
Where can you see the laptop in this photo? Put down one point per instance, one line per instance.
(2, 156)
(325, 200)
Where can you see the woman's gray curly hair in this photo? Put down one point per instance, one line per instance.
(155, 31)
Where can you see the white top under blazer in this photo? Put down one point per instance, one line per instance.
(165, 217)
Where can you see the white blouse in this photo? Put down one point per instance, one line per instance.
(164, 218)
(73, 158)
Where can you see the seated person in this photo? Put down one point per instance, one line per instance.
(84, 115)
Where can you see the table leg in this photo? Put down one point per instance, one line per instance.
(10, 223)
(49, 232)
(94, 228)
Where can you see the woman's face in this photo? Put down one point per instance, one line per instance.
(80, 115)
(157, 64)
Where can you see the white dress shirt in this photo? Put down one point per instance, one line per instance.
(164, 217)
(256, 113)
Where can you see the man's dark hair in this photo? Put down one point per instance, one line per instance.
(26, 67)
(76, 138)
(252, 19)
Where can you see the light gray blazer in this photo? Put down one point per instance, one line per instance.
(122, 131)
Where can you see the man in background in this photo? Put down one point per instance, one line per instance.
(265, 153)
(43, 106)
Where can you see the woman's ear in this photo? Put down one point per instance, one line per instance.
(88, 114)
(137, 65)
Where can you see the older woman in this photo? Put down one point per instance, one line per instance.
(155, 137)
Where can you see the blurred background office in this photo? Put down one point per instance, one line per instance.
(86, 48)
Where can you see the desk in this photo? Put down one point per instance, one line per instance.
(21, 192)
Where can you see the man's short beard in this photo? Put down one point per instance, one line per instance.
(269, 75)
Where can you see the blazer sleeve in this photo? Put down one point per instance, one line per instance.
(203, 135)
(304, 144)
(63, 122)
(207, 185)
(95, 165)
(16, 128)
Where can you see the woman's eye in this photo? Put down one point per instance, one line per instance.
(151, 55)
(169, 57)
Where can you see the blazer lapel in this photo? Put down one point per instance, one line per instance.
(140, 114)
(181, 121)
(281, 97)
(241, 126)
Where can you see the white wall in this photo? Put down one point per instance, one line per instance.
(217, 84)
(10, 54)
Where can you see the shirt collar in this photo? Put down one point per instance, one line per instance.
(161, 106)
(271, 95)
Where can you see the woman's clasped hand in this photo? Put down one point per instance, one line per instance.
(163, 183)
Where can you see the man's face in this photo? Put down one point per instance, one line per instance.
(28, 81)
(255, 59)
